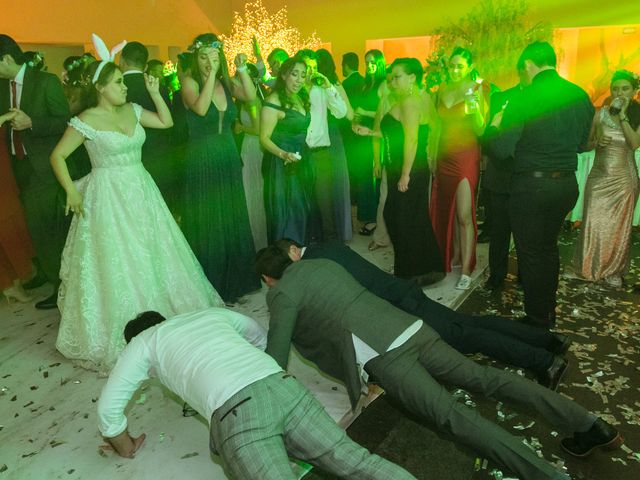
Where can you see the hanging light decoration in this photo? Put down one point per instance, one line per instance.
(272, 30)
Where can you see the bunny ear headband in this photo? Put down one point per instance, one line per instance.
(104, 53)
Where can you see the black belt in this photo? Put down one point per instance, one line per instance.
(560, 174)
(317, 149)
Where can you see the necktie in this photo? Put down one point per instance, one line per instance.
(15, 135)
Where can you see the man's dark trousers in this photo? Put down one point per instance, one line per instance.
(537, 209)
(411, 373)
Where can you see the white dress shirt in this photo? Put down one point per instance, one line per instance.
(321, 99)
(19, 79)
(205, 357)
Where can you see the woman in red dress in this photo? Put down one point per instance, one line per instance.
(15, 244)
(462, 106)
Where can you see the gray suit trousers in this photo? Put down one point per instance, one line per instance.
(256, 427)
(410, 373)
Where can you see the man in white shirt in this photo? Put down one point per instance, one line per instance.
(213, 359)
(323, 97)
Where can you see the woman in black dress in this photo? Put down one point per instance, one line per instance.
(288, 187)
(215, 219)
(405, 128)
(365, 107)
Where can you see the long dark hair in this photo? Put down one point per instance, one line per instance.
(280, 88)
(326, 65)
(466, 54)
(90, 96)
(633, 110)
(374, 81)
(206, 39)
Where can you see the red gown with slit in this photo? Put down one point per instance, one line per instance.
(458, 159)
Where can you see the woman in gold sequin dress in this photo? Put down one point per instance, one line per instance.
(611, 192)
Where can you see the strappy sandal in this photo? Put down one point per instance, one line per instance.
(375, 246)
(367, 231)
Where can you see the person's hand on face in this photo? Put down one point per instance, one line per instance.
(625, 105)
(213, 57)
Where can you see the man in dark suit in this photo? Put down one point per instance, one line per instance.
(353, 84)
(353, 81)
(496, 180)
(543, 130)
(347, 331)
(506, 340)
(157, 154)
(42, 115)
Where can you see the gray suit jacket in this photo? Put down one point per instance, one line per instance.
(316, 306)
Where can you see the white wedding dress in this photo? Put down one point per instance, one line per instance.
(124, 256)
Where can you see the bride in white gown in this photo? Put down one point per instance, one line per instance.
(124, 253)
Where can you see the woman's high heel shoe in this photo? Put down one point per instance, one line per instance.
(16, 292)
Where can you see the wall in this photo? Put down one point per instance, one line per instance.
(170, 25)
(157, 23)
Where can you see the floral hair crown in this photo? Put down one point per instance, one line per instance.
(197, 45)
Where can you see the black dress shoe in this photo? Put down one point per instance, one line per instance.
(429, 278)
(484, 237)
(552, 376)
(600, 435)
(546, 323)
(37, 281)
(559, 344)
(48, 303)
(494, 284)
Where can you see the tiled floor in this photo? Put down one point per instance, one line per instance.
(48, 411)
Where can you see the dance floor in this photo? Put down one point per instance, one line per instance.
(48, 419)
(48, 424)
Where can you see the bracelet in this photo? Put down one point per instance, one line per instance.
(624, 119)
(243, 68)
